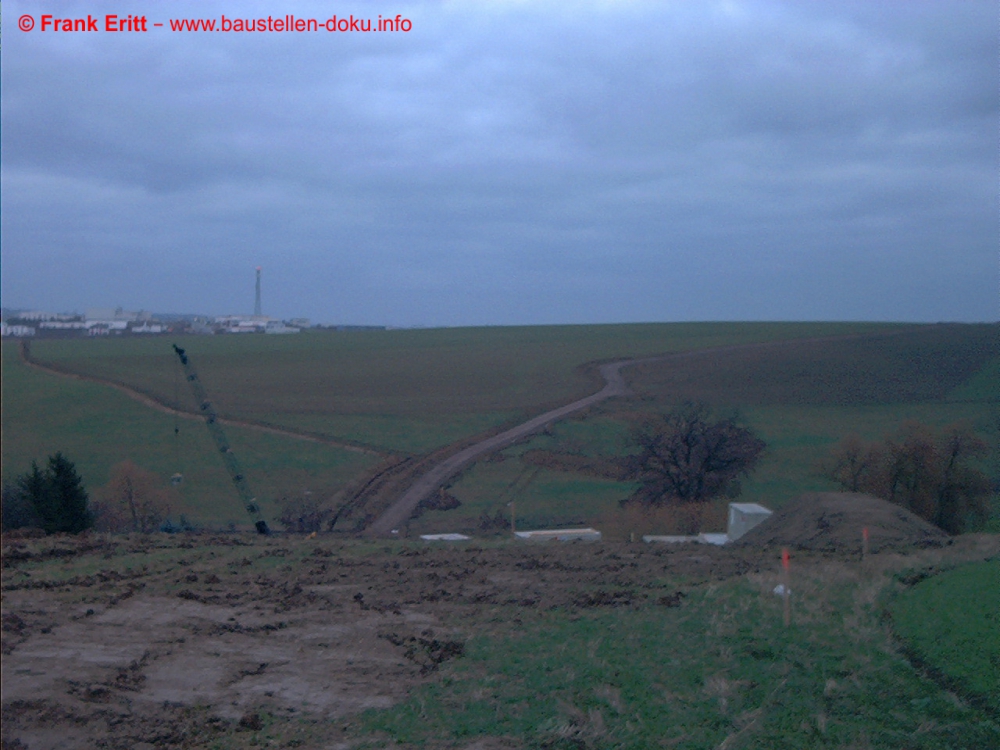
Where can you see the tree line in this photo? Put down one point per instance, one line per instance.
(932, 473)
(688, 456)
(55, 500)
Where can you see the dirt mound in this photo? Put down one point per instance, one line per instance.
(833, 521)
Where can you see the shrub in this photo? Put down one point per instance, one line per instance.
(303, 515)
(632, 521)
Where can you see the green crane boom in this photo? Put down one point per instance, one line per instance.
(228, 458)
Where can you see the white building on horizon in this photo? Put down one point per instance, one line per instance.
(16, 331)
(105, 314)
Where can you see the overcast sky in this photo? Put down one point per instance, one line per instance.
(509, 162)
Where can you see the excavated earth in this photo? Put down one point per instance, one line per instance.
(836, 522)
(171, 640)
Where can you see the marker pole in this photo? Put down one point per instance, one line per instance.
(786, 564)
(864, 543)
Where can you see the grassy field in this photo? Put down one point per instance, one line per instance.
(413, 391)
(802, 399)
(721, 671)
(98, 427)
(950, 622)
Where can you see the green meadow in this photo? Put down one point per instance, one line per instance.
(801, 398)
(97, 427)
(720, 671)
(401, 390)
(413, 391)
(950, 623)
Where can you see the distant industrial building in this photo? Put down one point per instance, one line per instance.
(96, 322)
(258, 322)
(16, 331)
(251, 324)
(117, 314)
(116, 321)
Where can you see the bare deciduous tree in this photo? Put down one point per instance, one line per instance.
(134, 500)
(926, 472)
(689, 456)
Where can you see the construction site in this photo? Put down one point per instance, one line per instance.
(456, 596)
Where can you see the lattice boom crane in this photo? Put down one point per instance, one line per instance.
(228, 458)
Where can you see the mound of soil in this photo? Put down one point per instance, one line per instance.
(833, 521)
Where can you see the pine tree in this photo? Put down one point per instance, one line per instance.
(57, 495)
(34, 487)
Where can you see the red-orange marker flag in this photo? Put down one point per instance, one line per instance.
(784, 558)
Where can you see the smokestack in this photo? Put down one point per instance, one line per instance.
(256, 304)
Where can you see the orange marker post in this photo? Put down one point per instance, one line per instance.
(864, 543)
(786, 564)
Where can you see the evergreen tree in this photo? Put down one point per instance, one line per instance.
(18, 511)
(57, 495)
(34, 488)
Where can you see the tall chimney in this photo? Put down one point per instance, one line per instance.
(256, 304)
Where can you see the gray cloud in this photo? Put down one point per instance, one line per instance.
(511, 163)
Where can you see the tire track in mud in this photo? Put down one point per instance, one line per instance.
(153, 402)
(402, 509)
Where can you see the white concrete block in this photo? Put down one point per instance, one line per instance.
(744, 516)
(560, 535)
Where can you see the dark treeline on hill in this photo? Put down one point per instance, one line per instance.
(916, 365)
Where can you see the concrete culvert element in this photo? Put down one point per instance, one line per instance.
(560, 535)
(743, 517)
(835, 521)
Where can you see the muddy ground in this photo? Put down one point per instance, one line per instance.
(166, 640)
(188, 641)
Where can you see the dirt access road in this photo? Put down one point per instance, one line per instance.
(403, 508)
